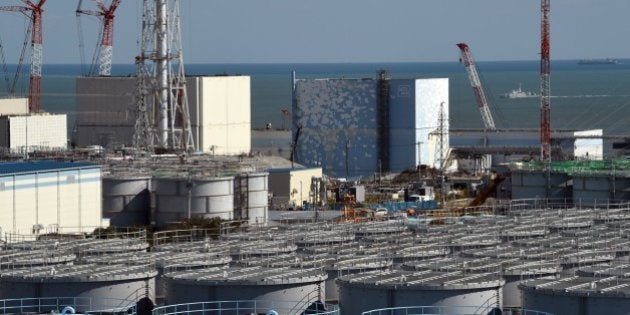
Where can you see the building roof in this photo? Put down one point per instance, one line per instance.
(40, 166)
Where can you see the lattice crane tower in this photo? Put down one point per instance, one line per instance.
(37, 56)
(106, 45)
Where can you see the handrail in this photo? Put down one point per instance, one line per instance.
(446, 310)
(238, 307)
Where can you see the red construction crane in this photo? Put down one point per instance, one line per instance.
(467, 58)
(35, 81)
(545, 85)
(106, 42)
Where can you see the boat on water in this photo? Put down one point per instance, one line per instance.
(519, 93)
(602, 61)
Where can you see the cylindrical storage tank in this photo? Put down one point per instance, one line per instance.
(513, 271)
(40, 257)
(351, 265)
(176, 198)
(578, 295)
(251, 198)
(533, 184)
(127, 200)
(368, 291)
(289, 287)
(98, 282)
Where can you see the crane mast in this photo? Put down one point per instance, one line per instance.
(467, 58)
(37, 40)
(545, 84)
(106, 46)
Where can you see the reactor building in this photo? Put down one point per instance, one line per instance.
(360, 127)
(220, 112)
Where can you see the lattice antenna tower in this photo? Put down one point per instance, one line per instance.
(442, 133)
(163, 117)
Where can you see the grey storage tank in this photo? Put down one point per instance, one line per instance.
(383, 289)
(578, 295)
(251, 198)
(101, 282)
(127, 200)
(289, 287)
(176, 198)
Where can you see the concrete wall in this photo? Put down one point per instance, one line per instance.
(13, 106)
(221, 113)
(294, 184)
(105, 111)
(37, 132)
(70, 199)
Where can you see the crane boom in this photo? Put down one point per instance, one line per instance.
(545, 83)
(467, 58)
(37, 40)
(106, 46)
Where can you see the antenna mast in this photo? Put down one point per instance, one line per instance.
(545, 84)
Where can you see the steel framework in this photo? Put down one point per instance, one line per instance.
(163, 119)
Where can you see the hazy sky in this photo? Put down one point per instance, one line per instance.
(224, 31)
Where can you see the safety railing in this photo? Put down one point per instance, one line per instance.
(67, 305)
(452, 310)
(246, 307)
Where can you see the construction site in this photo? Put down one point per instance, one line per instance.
(158, 203)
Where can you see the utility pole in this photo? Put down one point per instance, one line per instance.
(347, 169)
(419, 144)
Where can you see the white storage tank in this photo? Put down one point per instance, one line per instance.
(207, 197)
(127, 200)
(578, 295)
(286, 286)
(384, 289)
(251, 198)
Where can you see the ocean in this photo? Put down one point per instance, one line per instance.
(583, 96)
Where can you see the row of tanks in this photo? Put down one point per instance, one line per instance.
(529, 257)
(127, 199)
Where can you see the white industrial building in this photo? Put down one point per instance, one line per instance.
(292, 187)
(20, 130)
(359, 127)
(47, 196)
(220, 112)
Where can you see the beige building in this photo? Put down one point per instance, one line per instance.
(13, 106)
(220, 112)
(45, 197)
(291, 187)
(39, 131)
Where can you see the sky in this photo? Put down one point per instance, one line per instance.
(312, 31)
